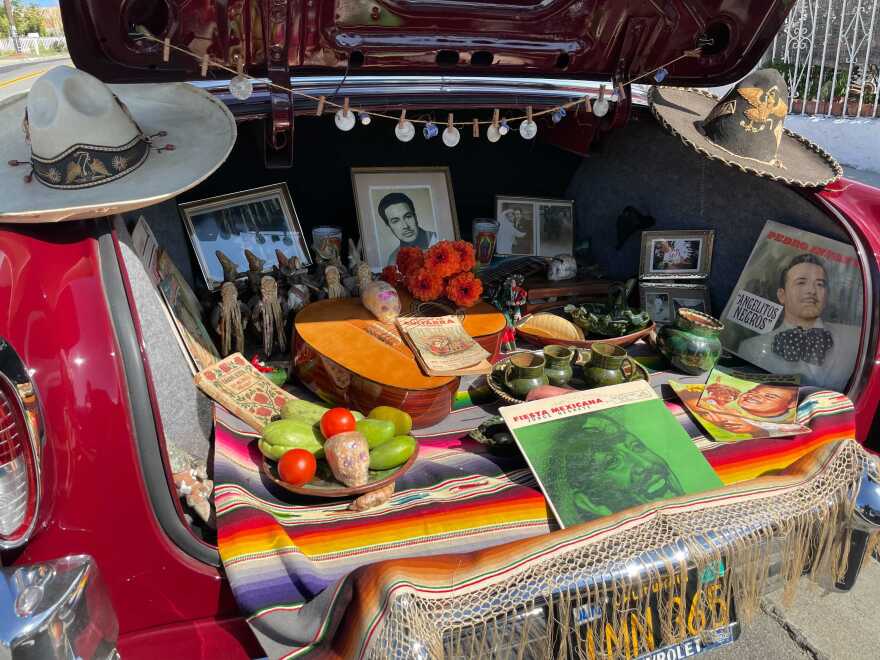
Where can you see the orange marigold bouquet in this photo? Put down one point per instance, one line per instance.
(443, 269)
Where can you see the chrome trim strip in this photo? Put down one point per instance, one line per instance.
(862, 371)
(435, 91)
(14, 372)
(55, 610)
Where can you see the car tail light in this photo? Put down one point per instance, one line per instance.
(20, 449)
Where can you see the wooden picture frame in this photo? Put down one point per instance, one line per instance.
(260, 220)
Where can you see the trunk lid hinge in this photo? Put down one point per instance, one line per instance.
(278, 152)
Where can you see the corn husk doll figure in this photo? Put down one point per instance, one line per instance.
(229, 317)
(268, 317)
(510, 299)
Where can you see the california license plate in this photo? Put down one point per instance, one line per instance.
(701, 619)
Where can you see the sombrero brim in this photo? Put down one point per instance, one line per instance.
(803, 163)
(200, 127)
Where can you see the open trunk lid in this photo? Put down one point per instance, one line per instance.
(576, 39)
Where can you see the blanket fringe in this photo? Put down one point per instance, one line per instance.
(694, 570)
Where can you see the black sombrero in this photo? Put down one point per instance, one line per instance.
(744, 129)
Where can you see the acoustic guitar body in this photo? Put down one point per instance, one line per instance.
(347, 357)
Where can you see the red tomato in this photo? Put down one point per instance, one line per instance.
(297, 467)
(337, 420)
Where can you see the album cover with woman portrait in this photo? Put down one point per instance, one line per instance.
(600, 451)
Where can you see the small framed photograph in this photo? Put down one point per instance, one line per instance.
(676, 254)
(530, 226)
(261, 220)
(662, 301)
(402, 207)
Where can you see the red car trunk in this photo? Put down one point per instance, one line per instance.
(596, 39)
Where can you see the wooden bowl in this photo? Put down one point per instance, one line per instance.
(540, 340)
(495, 379)
(319, 487)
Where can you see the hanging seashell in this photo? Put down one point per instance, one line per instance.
(405, 131)
(528, 129)
(344, 120)
(241, 87)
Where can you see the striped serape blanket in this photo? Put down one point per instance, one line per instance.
(313, 577)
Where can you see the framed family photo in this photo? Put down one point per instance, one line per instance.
(531, 226)
(662, 300)
(261, 220)
(676, 254)
(402, 207)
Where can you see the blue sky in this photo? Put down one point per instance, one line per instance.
(42, 3)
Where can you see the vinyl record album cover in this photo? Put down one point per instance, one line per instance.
(600, 451)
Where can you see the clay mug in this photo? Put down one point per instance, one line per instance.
(558, 364)
(604, 365)
(524, 372)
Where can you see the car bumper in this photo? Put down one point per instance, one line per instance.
(56, 609)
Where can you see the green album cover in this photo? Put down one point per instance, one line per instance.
(599, 462)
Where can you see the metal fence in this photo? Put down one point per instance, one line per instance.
(33, 45)
(829, 52)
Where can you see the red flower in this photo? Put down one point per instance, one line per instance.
(464, 289)
(263, 412)
(259, 397)
(280, 401)
(424, 285)
(409, 259)
(442, 259)
(391, 275)
(466, 257)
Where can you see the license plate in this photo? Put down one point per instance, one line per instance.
(701, 621)
(695, 645)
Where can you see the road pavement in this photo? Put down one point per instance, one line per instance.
(18, 77)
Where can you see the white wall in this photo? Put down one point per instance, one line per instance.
(853, 142)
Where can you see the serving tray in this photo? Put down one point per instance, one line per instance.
(495, 380)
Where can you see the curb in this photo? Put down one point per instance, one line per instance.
(9, 63)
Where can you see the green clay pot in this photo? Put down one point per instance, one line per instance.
(691, 343)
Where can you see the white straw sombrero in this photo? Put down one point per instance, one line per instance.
(75, 148)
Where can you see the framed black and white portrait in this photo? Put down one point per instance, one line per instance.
(402, 207)
(261, 220)
(534, 226)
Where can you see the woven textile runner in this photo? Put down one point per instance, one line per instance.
(297, 566)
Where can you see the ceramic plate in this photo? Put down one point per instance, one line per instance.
(324, 485)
